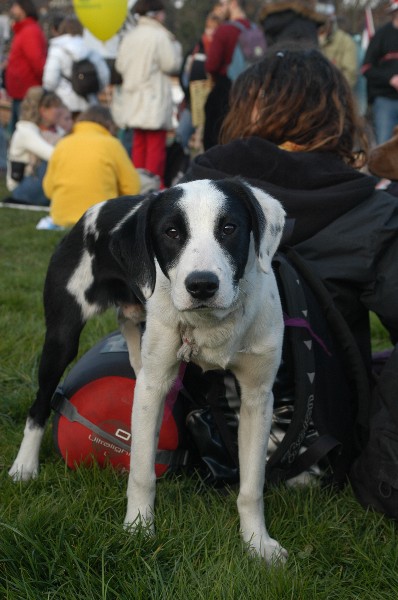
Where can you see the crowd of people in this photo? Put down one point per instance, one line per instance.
(46, 108)
(39, 71)
(63, 150)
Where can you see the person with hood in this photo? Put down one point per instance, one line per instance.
(292, 129)
(64, 49)
(25, 63)
(291, 20)
(148, 54)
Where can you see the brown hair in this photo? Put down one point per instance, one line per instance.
(28, 7)
(70, 25)
(296, 95)
(35, 98)
(98, 114)
(142, 7)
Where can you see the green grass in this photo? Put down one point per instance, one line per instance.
(61, 536)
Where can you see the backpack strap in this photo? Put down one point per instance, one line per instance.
(352, 356)
(283, 459)
(321, 448)
(68, 53)
(64, 407)
(241, 26)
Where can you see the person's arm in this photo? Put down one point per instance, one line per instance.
(371, 69)
(170, 55)
(52, 70)
(103, 71)
(216, 55)
(382, 296)
(35, 50)
(34, 143)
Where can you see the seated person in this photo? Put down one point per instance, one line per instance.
(29, 151)
(88, 166)
(292, 129)
(54, 124)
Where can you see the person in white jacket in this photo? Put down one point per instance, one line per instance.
(147, 56)
(29, 151)
(64, 49)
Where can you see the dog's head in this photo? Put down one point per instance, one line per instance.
(200, 234)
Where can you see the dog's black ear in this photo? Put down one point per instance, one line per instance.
(267, 218)
(131, 245)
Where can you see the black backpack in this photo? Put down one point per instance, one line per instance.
(84, 78)
(322, 392)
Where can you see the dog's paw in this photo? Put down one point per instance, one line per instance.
(269, 550)
(136, 522)
(273, 553)
(24, 471)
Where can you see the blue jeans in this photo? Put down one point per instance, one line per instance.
(126, 137)
(185, 129)
(30, 190)
(385, 118)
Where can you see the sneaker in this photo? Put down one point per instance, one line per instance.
(48, 223)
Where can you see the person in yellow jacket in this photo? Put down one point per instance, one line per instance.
(88, 166)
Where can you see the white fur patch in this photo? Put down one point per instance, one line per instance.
(80, 281)
(26, 464)
(126, 217)
(90, 220)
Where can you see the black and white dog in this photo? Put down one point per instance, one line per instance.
(199, 257)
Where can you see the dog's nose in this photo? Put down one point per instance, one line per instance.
(202, 284)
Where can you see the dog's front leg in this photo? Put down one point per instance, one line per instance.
(154, 380)
(254, 428)
(129, 317)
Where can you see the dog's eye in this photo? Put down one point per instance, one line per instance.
(173, 233)
(228, 229)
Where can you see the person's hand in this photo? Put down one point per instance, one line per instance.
(394, 82)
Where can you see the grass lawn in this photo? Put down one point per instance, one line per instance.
(61, 536)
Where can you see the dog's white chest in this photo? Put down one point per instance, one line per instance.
(209, 347)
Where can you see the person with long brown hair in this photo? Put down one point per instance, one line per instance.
(30, 147)
(296, 99)
(293, 130)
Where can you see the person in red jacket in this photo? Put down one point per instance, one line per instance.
(218, 59)
(25, 64)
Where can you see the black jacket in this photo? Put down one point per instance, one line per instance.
(342, 226)
(381, 63)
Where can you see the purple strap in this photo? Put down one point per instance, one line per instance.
(298, 322)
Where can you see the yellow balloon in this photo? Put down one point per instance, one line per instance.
(103, 18)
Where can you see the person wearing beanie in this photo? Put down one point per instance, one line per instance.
(380, 67)
(147, 56)
(25, 64)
